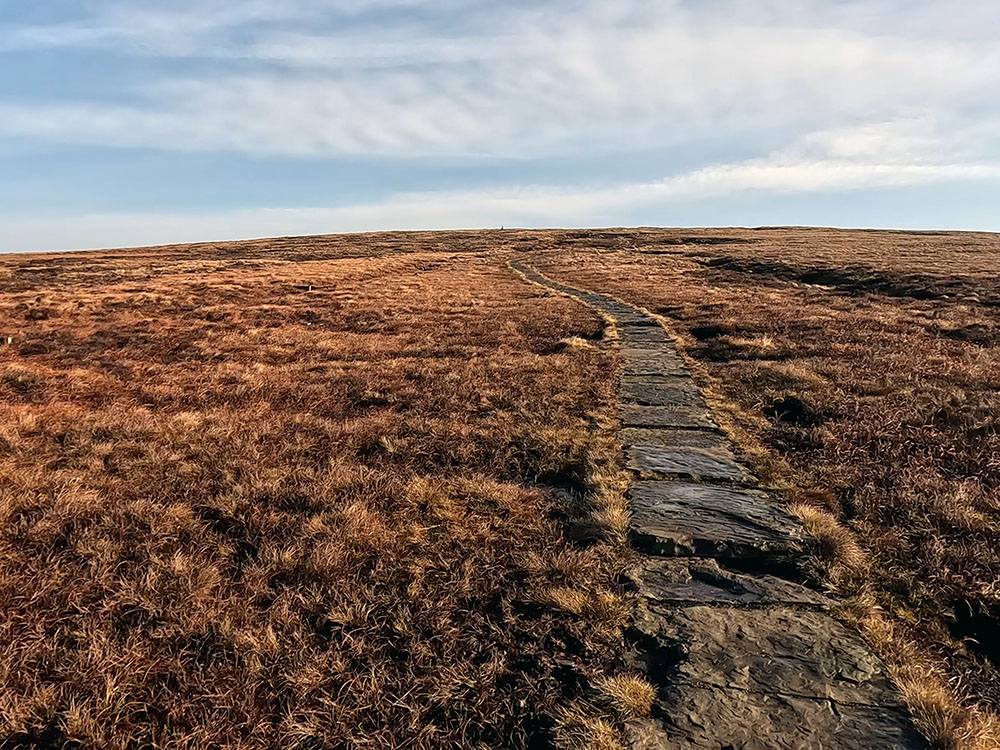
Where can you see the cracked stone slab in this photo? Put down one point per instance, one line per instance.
(777, 651)
(595, 300)
(645, 337)
(626, 316)
(652, 363)
(633, 321)
(683, 453)
(684, 518)
(659, 391)
(701, 718)
(691, 416)
(665, 583)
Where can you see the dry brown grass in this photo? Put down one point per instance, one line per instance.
(861, 371)
(302, 493)
(361, 492)
(631, 695)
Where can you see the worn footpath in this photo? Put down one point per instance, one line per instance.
(742, 653)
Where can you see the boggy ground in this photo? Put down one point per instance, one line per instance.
(304, 493)
(861, 372)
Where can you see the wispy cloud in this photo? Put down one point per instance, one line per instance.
(550, 91)
(880, 93)
(811, 166)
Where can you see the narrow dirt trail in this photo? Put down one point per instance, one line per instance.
(742, 653)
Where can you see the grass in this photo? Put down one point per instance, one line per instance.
(364, 491)
(303, 493)
(860, 371)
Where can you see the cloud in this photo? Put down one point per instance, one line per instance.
(783, 173)
(872, 94)
(545, 90)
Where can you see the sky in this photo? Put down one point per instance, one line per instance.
(156, 121)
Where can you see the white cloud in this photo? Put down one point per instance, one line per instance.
(546, 91)
(782, 173)
(873, 93)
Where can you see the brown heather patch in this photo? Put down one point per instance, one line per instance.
(861, 372)
(303, 493)
(360, 490)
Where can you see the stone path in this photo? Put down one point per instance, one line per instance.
(743, 655)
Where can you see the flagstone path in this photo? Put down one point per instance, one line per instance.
(742, 653)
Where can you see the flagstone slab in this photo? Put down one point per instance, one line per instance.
(700, 718)
(670, 452)
(771, 651)
(644, 337)
(663, 583)
(659, 391)
(650, 362)
(689, 416)
(686, 518)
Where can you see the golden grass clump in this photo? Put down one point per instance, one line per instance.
(631, 695)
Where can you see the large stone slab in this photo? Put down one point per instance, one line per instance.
(682, 453)
(625, 317)
(651, 362)
(659, 391)
(773, 651)
(702, 718)
(684, 518)
(691, 416)
(595, 300)
(664, 583)
(644, 337)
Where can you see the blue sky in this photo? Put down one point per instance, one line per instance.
(126, 122)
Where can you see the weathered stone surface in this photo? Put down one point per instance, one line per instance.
(678, 415)
(706, 719)
(710, 441)
(774, 651)
(663, 583)
(596, 300)
(650, 362)
(630, 317)
(683, 453)
(683, 518)
(644, 337)
(659, 391)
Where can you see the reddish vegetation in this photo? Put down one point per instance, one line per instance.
(301, 492)
(294, 494)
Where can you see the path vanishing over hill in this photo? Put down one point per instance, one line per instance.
(742, 653)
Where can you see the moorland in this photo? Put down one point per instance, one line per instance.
(365, 490)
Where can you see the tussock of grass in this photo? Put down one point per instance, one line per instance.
(578, 729)
(843, 561)
(632, 696)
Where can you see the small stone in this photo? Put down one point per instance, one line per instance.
(682, 453)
